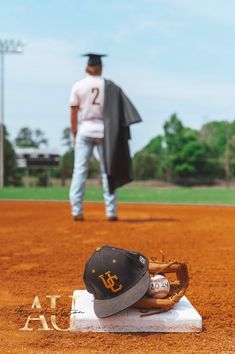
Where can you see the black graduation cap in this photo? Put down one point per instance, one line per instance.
(94, 59)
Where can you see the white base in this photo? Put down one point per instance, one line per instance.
(183, 318)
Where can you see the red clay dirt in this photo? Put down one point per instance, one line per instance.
(43, 252)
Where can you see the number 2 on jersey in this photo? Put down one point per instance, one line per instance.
(96, 91)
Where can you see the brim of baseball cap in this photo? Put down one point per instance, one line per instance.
(105, 308)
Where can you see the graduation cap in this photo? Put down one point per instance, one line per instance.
(94, 59)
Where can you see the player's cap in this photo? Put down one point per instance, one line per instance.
(117, 278)
(94, 59)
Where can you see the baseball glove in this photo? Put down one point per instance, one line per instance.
(177, 287)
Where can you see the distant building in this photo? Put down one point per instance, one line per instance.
(37, 158)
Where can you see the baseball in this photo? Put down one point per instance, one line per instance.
(159, 287)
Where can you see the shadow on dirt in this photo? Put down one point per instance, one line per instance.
(132, 221)
(149, 220)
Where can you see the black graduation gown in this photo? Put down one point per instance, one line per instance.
(119, 113)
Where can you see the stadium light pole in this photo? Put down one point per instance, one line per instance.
(7, 46)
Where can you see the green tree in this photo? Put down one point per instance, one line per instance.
(233, 156)
(11, 177)
(39, 138)
(66, 138)
(183, 154)
(220, 139)
(156, 147)
(215, 135)
(192, 161)
(173, 138)
(173, 129)
(229, 153)
(144, 165)
(30, 138)
(67, 165)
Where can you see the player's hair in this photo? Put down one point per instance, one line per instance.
(94, 70)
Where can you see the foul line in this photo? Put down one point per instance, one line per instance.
(123, 202)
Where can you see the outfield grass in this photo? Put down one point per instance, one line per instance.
(128, 194)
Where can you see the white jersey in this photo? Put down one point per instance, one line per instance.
(88, 95)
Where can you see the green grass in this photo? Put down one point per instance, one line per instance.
(128, 194)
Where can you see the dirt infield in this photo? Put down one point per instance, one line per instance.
(43, 253)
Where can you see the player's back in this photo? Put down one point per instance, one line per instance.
(89, 94)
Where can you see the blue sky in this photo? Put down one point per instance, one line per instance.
(167, 55)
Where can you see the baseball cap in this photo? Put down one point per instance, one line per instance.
(94, 59)
(117, 278)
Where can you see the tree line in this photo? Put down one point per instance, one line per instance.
(35, 138)
(184, 155)
(180, 155)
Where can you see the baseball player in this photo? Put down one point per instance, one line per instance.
(87, 126)
(101, 115)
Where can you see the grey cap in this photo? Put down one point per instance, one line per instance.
(117, 278)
